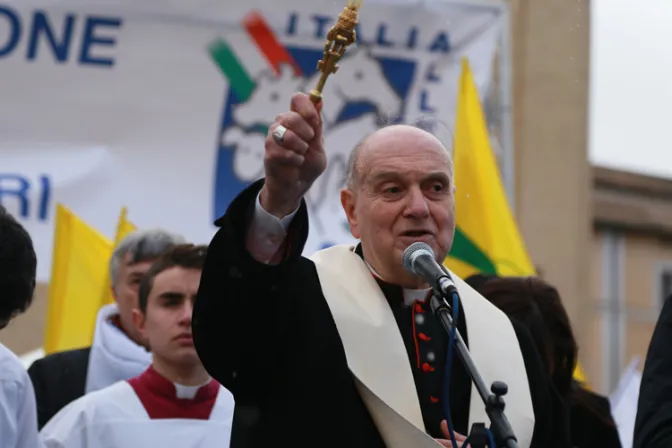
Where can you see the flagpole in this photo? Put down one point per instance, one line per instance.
(506, 107)
(120, 225)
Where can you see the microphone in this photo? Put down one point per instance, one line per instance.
(418, 259)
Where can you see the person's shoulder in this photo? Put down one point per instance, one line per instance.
(68, 423)
(8, 357)
(66, 355)
(96, 401)
(109, 393)
(79, 356)
(224, 393)
(224, 402)
(117, 402)
(225, 397)
(12, 372)
(597, 398)
(597, 401)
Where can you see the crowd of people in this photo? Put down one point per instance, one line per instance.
(247, 343)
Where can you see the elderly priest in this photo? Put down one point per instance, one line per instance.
(341, 349)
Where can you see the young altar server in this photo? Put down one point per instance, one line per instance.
(117, 351)
(174, 403)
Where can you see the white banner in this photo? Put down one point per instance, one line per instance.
(162, 106)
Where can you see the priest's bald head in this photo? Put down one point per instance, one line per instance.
(400, 190)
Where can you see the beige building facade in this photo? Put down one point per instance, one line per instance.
(631, 270)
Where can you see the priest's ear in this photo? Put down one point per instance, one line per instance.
(348, 202)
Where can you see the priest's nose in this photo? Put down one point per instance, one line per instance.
(416, 203)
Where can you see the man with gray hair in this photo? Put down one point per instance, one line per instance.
(118, 351)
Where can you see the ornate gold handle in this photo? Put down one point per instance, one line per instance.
(339, 38)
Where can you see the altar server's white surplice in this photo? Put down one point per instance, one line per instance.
(145, 412)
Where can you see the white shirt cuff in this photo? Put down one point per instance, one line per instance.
(266, 232)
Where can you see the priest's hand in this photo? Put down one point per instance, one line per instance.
(294, 156)
(459, 438)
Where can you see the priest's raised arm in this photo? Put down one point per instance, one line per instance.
(341, 349)
(260, 325)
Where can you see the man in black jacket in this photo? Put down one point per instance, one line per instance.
(653, 425)
(297, 340)
(118, 351)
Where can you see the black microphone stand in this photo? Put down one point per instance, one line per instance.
(492, 399)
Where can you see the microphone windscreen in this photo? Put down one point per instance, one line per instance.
(407, 259)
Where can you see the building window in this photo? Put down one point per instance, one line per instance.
(664, 284)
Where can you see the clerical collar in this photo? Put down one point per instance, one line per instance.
(158, 384)
(187, 392)
(410, 295)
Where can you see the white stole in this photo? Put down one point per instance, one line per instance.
(377, 355)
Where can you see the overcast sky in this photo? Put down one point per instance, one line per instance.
(631, 85)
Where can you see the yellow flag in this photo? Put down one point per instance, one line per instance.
(124, 227)
(579, 375)
(79, 268)
(487, 239)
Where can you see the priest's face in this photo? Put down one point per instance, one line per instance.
(166, 322)
(402, 193)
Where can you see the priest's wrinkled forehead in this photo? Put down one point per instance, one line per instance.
(398, 143)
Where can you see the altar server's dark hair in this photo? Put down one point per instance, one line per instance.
(18, 267)
(187, 256)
